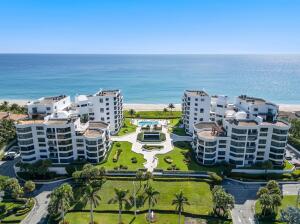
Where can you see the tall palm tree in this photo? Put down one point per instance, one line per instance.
(91, 196)
(120, 197)
(150, 196)
(265, 201)
(180, 200)
(131, 112)
(139, 176)
(60, 200)
(171, 107)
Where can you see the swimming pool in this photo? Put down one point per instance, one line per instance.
(146, 123)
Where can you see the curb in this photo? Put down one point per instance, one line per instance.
(261, 182)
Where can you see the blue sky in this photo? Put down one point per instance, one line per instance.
(150, 26)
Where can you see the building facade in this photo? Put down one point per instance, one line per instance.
(240, 141)
(195, 108)
(62, 139)
(105, 106)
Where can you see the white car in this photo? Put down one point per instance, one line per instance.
(10, 155)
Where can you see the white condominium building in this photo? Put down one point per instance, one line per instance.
(62, 138)
(240, 141)
(48, 105)
(195, 108)
(257, 107)
(218, 107)
(105, 105)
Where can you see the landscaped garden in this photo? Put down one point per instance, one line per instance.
(181, 158)
(122, 157)
(294, 134)
(153, 114)
(175, 127)
(127, 127)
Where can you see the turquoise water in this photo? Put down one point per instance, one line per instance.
(151, 78)
(146, 123)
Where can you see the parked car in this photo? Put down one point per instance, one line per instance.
(10, 155)
(288, 158)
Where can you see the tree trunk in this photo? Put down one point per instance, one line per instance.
(120, 213)
(179, 216)
(92, 214)
(149, 211)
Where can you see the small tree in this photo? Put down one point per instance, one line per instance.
(120, 198)
(13, 189)
(148, 176)
(180, 200)
(29, 186)
(222, 201)
(139, 177)
(165, 110)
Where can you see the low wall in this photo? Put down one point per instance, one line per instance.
(254, 171)
(58, 170)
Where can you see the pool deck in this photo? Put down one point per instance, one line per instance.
(150, 156)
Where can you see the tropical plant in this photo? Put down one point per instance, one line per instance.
(148, 176)
(29, 186)
(90, 175)
(290, 215)
(131, 112)
(270, 198)
(13, 189)
(151, 196)
(91, 196)
(120, 198)
(180, 200)
(171, 107)
(139, 176)
(165, 110)
(60, 200)
(222, 201)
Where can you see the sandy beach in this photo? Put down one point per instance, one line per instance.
(152, 107)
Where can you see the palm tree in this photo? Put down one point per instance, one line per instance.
(91, 196)
(148, 175)
(151, 195)
(171, 107)
(180, 200)
(120, 197)
(265, 201)
(165, 110)
(60, 200)
(131, 112)
(139, 177)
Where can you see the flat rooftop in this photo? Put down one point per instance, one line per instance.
(92, 133)
(206, 134)
(10, 116)
(108, 92)
(49, 100)
(244, 123)
(98, 124)
(31, 121)
(254, 100)
(195, 93)
(277, 123)
(57, 121)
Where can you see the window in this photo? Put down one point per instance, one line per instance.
(262, 141)
(201, 119)
(39, 128)
(48, 108)
(106, 99)
(202, 100)
(196, 104)
(201, 110)
(101, 100)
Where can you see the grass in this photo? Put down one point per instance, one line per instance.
(127, 128)
(124, 158)
(104, 218)
(178, 157)
(154, 114)
(175, 129)
(13, 218)
(288, 200)
(198, 194)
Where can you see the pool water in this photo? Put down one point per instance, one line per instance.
(146, 123)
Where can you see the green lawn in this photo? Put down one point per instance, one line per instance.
(127, 128)
(13, 218)
(198, 194)
(124, 158)
(288, 200)
(154, 114)
(109, 218)
(178, 157)
(174, 127)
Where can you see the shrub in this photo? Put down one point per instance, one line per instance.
(118, 144)
(134, 160)
(168, 159)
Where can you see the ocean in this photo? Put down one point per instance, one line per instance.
(151, 78)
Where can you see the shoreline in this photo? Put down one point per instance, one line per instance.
(157, 107)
